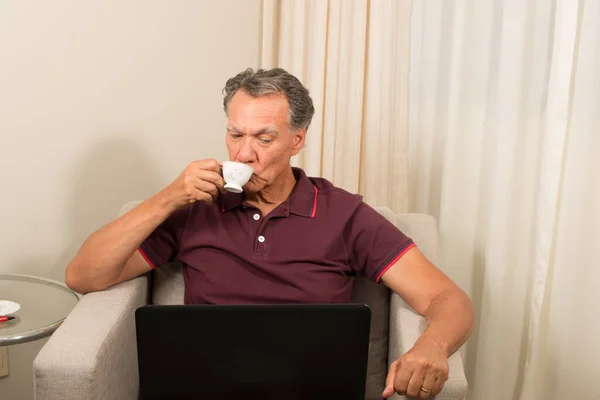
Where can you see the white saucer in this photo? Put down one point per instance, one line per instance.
(8, 307)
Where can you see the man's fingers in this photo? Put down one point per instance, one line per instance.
(421, 373)
(429, 384)
(204, 196)
(211, 176)
(389, 381)
(415, 383)
(208, 165)
(403, 377)
(207, 187)
(438, 385)
(197, 189)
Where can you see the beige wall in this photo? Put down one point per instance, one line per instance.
(102, 102)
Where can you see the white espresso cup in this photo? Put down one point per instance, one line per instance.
(236, 175)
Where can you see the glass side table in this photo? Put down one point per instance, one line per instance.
(44, 306)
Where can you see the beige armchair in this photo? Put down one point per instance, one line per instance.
(92, 356)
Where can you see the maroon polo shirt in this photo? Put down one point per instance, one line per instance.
(307, 250)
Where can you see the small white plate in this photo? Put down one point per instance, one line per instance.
(8, 307)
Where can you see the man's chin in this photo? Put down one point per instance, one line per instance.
(252, 187)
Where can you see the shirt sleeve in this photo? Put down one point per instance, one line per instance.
(375, 243)
(163, 244)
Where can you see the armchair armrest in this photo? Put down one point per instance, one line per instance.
(406, 326)
(93, 354)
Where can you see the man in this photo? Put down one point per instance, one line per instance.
(287, 238)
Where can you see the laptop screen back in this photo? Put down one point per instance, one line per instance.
(253, 351)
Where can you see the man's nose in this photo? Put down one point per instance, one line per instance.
(246, 153)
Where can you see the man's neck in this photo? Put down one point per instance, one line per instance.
(271, 196)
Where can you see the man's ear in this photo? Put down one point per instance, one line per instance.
(298, 137)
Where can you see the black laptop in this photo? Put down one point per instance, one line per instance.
(251, 352)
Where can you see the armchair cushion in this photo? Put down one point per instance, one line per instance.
(167, 285)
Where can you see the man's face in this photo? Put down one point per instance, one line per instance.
(258, 134)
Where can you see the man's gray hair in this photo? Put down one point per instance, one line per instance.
(277, 80)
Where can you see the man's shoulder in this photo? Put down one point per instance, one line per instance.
(343, 208)
(348, 203)
(334, 195)
(326, 187)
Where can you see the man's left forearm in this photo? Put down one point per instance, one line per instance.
(449, 321)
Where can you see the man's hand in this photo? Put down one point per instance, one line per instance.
(421, 372)
(200, 181)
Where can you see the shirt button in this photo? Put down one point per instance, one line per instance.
(261, 238)
(256, 217)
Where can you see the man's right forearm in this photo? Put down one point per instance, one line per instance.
(102, 257)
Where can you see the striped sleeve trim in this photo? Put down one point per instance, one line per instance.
(393, 259)
(143, 253)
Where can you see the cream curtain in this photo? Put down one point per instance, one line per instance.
(353, 57)
(485, 114)
(504, 136)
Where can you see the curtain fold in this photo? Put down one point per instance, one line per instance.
(353, 57)
(494, 89)
(486, 115)
(564, 347)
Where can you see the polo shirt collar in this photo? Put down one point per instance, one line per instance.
(302, 200)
